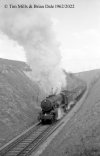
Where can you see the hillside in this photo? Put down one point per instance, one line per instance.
(18, 99)
(89, 76)
(81, 135)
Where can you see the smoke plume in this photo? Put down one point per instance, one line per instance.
(34, 32)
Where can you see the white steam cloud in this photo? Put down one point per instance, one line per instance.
(34, 32)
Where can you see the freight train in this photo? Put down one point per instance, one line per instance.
(54, 107)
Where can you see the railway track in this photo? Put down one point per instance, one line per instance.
(30, 141)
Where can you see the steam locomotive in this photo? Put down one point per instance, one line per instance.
(63, 102)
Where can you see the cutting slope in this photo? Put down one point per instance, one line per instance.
(89, 76)
(18, 99)
(81, 135)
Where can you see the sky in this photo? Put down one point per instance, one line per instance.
(77, 29)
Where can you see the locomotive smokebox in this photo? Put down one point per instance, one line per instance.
(46, 105)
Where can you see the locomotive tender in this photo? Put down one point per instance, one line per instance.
(64, 101)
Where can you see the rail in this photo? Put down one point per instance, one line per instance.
(4, 149)
(29, 141)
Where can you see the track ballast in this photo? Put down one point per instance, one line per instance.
(28, 143)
